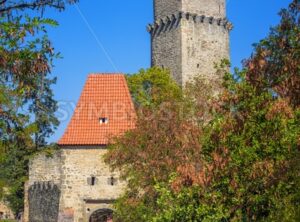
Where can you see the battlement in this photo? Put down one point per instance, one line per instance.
(189, 37)
(169, 22)
(43, 186)
(43, 199)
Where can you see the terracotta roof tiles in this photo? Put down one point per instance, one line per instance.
(104, 110)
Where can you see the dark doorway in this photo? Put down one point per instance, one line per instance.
(102, 215)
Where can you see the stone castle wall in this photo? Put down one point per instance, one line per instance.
(71, 170)
(44, 168)
(164, 53)
(214, 8)
(163, 8)
(43, 202)
(79, 166)
(209, 8)
(204, 45)
(189, 37)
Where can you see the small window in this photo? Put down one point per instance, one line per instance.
(112, 181)
(103, 120)
(198, 66)
(92, 181)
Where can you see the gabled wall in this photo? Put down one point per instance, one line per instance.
(71, 169)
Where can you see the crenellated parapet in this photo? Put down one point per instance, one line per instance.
(43, 199)
(43, 186)
(170, 22)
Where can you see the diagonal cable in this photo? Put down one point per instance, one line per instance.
(96, 38)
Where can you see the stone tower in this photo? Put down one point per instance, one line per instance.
(189, 37)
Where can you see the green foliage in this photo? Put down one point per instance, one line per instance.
(260, 135)
(27, 107)
(275, 62)
(240, 162)
(12, 7)
(188, 204)
(156, 116)
(152, 87)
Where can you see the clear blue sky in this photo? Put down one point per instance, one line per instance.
(110, 36)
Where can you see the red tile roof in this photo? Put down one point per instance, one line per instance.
(103, 96)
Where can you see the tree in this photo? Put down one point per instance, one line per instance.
(8, 7)
(165, 139)
(153, 87)
(275, 62)
(27, 106)
(235, 158)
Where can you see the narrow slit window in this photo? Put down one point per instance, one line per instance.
(112, 181)
(93, 181)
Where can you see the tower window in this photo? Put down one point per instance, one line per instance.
(103, 120)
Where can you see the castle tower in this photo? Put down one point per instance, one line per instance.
(189, 37)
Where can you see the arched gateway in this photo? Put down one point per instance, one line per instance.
(102, 215)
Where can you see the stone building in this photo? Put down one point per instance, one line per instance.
(189, 37)
(73, 184)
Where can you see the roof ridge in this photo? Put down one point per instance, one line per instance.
(105, 74)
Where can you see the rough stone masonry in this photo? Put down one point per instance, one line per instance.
(189, 37)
